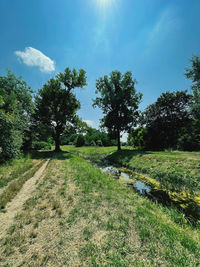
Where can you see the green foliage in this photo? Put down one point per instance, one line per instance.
(193, 73)
(165, 118)
(136, 138)
(56, 106)
(16, 107)
(93, 143)
(97, 137)
(38, 145)
(119, 102)
(189, 137)
(10, 137)
(80, 140)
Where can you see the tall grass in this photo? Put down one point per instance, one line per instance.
(12, 169)
(14, 187)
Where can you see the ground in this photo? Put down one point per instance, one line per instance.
(75, 215)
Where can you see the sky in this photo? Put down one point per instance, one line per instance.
(154, 39)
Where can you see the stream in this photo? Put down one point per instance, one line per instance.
(160, 195)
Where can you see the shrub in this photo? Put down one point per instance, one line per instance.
(10, 138)
(80, 141)
(93, 143)
(99, 143)
(38, 145)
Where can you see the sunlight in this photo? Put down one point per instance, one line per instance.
(105, 3)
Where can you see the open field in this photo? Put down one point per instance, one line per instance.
(77, 215)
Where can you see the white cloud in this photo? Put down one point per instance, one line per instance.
(34, 57)
(90, 123)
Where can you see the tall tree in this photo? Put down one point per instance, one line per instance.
(165, 118)
(193, 73)
(119, 102)
(16, 107)
(56, 105)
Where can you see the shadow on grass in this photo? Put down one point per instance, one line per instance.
(125, 155)
(62, 155)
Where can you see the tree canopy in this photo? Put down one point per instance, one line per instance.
(119, 102)
(56, 105)
(193, 73)
(16, 107)
(164, 119)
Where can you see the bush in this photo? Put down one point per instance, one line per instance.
(38, 145)
(80, 141)
(188, 142)
(10, 138)
(93, 143)
(99, 143)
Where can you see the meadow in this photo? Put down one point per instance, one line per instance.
(175, 170)
(78, 215)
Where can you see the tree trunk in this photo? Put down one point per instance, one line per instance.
(57, 142)
(118, 140)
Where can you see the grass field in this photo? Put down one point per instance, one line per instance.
(78, 215)
(176, 170)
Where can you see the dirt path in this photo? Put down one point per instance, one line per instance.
(16, 204)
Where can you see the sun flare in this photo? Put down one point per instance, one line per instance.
(105, 3)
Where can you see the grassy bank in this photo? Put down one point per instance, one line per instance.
(178, 171)
(91, 152)
(175, 170)
(80, 216)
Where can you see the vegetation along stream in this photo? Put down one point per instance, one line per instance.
(152, 189)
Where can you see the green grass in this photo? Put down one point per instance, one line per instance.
(15, 185)
(90, 151)
(88, 218)
(175, 170)
(13, 169)
(178, 171)
(159, 237)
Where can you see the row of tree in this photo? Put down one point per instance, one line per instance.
(28, 121)
(173, 121)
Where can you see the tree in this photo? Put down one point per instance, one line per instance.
(118, 101)
(165, 118)
(16, 107)
(80, 141)
(56, 105)
(136, 138)
(193, 73)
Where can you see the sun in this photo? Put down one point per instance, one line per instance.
(104, 3)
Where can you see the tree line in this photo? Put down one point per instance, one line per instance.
(29, 121)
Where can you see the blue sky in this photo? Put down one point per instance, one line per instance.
(152, 38)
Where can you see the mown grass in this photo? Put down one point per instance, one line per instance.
(92, 152)
(176, 171)
(79, 216)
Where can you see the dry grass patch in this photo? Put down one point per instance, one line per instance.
(79, 216)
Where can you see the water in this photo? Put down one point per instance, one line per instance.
(141, 187)
(156, 195)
